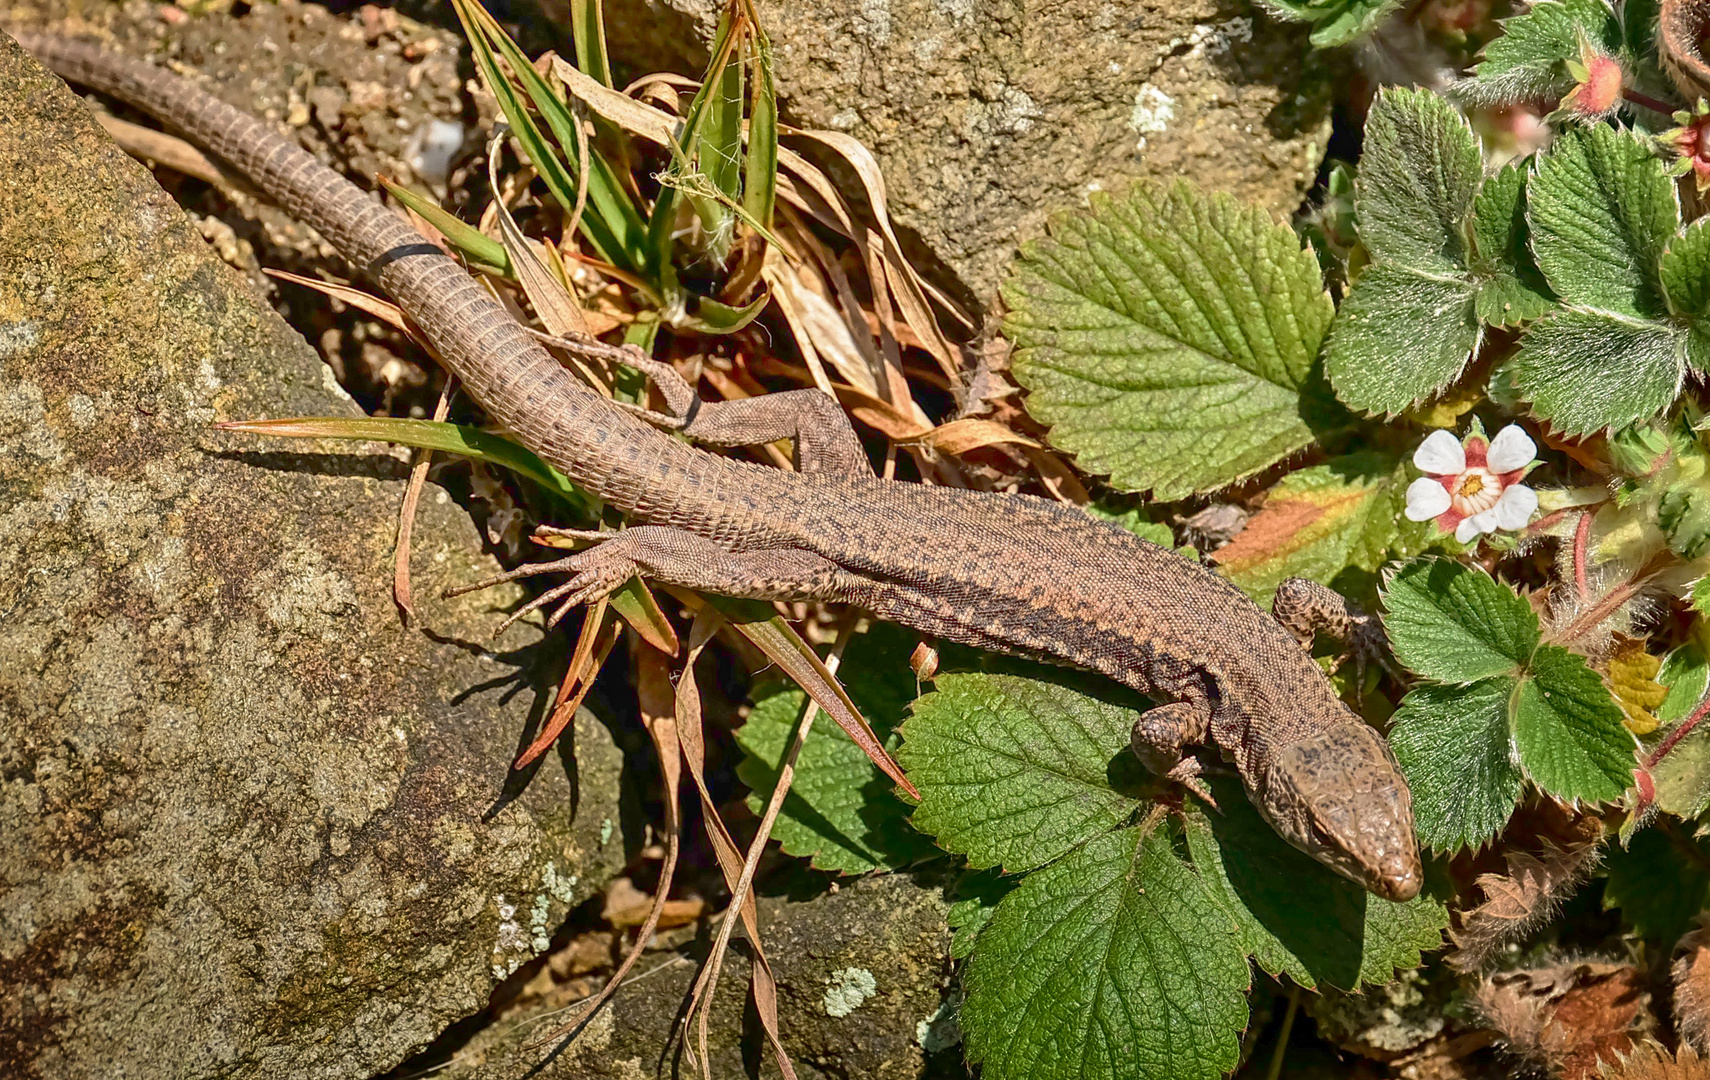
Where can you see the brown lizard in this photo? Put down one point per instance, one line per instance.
(1004, 572)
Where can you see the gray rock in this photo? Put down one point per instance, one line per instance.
(245, 815)
(860, 971)
(987, 115)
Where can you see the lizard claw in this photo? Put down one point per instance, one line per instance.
(595, 572)
(545, 534)
(1186, 773)
(1199, 788)
(1366, 646)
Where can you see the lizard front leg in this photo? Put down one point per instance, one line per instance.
(677, 557)
(1159, 735)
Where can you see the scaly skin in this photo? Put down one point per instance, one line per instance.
(1004, 572)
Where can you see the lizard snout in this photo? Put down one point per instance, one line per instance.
(1401, 882)
(1339, 796)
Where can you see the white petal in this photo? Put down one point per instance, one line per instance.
(1514, 509)
(1426, 499)
(1511, 449)
(1440, 453)
(1470, 527)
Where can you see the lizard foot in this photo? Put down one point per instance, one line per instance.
(594, 572)
(1306, 609)
(1186, 773)
(1157, 740)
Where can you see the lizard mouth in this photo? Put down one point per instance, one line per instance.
(1399, 886)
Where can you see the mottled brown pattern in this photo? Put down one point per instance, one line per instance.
(1005, 572)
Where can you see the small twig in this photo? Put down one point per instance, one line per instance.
(739, 894)
(1281, 1051)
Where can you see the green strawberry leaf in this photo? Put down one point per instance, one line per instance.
(1319, 521)
(1660, 882)
(1514, 707)
(1168, 338)
(1601, 208)
(1456, 624)
(1584, 371)
(978, 894)
(1015, 771)
(1113, 962)
(1419, 171)
(1685, 275)
(1136, 521)
(1686, 673)
(1349, 19)
(1685, 271)
(1512, 289)
(1336, 22)
(1127, 944)
(1300, 918)
(841, 812)
(1569, 731)
(1454, 746)
(1529, 59)
(1400, 337)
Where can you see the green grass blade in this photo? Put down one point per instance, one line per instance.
(484, 252)
(712, 317)
(760, 166)
(588, 32)
(607, 197)
(600, 230)
(428, 435)
(663, 223)
(719, 149)
(635, 605)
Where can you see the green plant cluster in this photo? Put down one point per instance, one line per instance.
(1179, 343)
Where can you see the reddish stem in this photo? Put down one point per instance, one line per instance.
(1681, 731)
(1545, 523)
(1648, 102)
(1613, 599)
(1581, 536)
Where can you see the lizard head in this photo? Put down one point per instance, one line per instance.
(1339, 796)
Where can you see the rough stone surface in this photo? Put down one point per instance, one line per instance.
(861, 975)
(250, 823)
(370, 92)
(987, 115)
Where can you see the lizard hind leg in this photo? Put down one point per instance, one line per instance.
(1159, 735)
(1307, 609)
(678, 557)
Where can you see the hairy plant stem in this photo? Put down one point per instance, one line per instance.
(1645, 101)
(1681, 731)
(1581, 541)
(1613, 599)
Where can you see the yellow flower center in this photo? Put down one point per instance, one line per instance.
(1476, 491)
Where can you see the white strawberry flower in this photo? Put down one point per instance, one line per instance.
(1473, 487)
